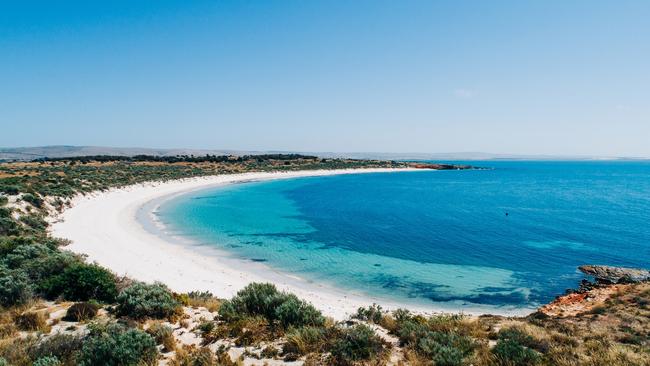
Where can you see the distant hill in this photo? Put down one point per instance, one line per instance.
(60, 151)
(30, 153)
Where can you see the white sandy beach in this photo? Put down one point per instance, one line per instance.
(103, 226)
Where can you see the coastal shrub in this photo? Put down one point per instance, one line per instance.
(193, 356)
(3, 362)
(47, 361)
(163, 334)
(7, 326)
(141, 300)
(372, 314)
(203, 298)
(263, 299)
(305, 340)
(446, 349)
(82, 282)
(3, 201)
(15, 287)
(53, 263)
(516, 335)
(114, 345)
(61, 345)
(8, 226)
(10, 190)
(35, 222)
(16, 351)
(356, 344)
(23, 254)
(296, 312)
(30, 321)
(410, 331)
(81, 311)
(254, 299)
(33, 200)
(509, 352)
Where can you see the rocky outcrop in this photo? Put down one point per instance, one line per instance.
(607, 274)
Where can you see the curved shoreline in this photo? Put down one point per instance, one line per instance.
(105, 227)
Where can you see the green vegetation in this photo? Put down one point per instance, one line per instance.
(65, 177)
(141, 300)
(115, 345)
(263, 299)
(82, 282)
(358, 343)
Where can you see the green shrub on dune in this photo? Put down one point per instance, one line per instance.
(114, 345)
(47, 361)
(264, 299)
(356, 344)
(32, 199)
(15, 287)
(141, 300)
(304, 340)
(82, 282)
(62, 346)
(509, 352)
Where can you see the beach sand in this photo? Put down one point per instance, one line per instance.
(104, 226)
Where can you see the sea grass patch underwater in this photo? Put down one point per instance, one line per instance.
(93, 317)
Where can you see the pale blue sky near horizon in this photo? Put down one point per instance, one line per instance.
(517, 77)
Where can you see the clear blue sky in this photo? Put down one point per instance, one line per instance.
(531, 77)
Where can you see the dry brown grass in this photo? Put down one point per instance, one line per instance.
(31, 321)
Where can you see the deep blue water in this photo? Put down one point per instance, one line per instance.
(435, 236)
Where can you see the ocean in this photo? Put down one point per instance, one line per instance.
(507, 237)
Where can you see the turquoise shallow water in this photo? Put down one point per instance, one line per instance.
(434, 237)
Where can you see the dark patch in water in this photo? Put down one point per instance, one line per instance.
(377, 265)
(496, 289)
(512, 298)
(258, 260)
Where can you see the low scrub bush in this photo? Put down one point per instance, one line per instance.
(192, 356)
(305, 340)
(446, 349)
(372, 314)
(516, 335)
(82, 282)
(31, 321)
(356, 344)
(263, 299)
(141, 300)
(9, 189)
(33, 200)
(81, 311)
(204, 299)
(8, 226)
(62, 346)
(16, 351)
(509, 352)
(163, 334)
(35, 222)
(47, 361)
(15, 287)
(114, 345)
